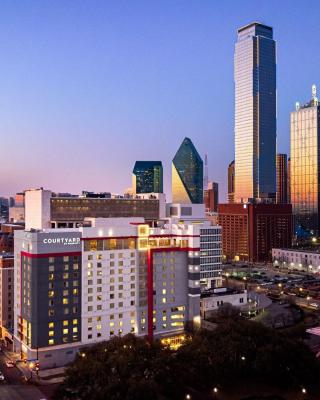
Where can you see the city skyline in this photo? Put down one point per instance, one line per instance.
(77, 110)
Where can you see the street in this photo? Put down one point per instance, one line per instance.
(13, 387)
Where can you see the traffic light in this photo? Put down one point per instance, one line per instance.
(37, 366)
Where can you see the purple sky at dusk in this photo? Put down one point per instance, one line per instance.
(89, 87)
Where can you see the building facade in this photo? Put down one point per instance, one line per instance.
(250, 231)
(304, 167)
(211, 197)
(6, 296)
(231, 178)
(255, 113)
(76, 287)
(147, 177)
(282, 179)
(43, 211)
(297, 260)
(187, 175)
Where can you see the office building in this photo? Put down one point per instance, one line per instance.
(147, 177)
(250, 231)
(211, 197)
(282, 179)
(304, 167)
(43, 210)
(231, 178)
(289, 181)
(210, 241)
(6, 297)
(187, 175)
(213, 299)
(75, 287)
(4, 209)
(255, 113)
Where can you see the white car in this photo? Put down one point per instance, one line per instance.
(9, 364)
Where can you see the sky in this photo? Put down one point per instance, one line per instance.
(89, 87)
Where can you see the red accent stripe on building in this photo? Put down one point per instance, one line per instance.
(46, 255)
(150, 280)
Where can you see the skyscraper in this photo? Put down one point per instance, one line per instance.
(147, 177)
(187, 174)
(289, 181)
(255, 113)
(282, 179)
(231, 182)
(304, 165)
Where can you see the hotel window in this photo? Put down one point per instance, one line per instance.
(111, 296)
(111, 270)
(132, 262)
(99, 298)
(99, 265)
(111, 324)
(51, 313)
(66, 311)
(111, 288)
(132, 270)
(99, 289)
(112, 255)
(51, 303)
(65, 300)
(51, 277)
(89, 336)
(66, 284)
(51, 325)
(99, 281)
(51, 342)
(90, 257)
(90, 274)
(99, 273)
(120, 271)
(120, 264)
(75, 291)
(132, 293)
(99, 256)
(120, 304)
(120, 279)
(65, 292)
(133, 286)
(90, 298)
(65, 331)
(74, 309)
(99, 307)
(89, 320)
(120, 287)
(51, 293)
(132, 303)
(120, 295)
(75, 329)
(65, 322)
(66, 267)
(111, 305)
(90, 282)
(65, 258)
(51, 268)
(50, 285)
(89, 308)
(75, 322)
(51, 333)
(51, 259)
(75, 266)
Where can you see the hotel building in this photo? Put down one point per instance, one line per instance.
(75, 287)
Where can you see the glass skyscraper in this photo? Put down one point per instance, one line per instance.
(304, 167)
(147, 177)
(255, 113)
(187, 175)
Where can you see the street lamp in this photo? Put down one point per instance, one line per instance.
(188, 396)
(243, 358)
(215, 392)
(304, 390)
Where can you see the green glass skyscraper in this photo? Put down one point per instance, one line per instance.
(187, 175)
(147, 177)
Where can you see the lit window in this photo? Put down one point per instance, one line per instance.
(51, 342)
(51, 333)
(65, 300)
(65, 323)
(65, 331)
(51, 325)
(75, 329)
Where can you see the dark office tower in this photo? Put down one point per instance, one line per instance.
(147, 177)
(304, 164)
(211, 197)
(4, 209)
(231, 182)
(255, 113)
(289, 182)
(187, 175)
(282, 179)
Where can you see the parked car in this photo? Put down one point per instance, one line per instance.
(1, 377)
(9, 364)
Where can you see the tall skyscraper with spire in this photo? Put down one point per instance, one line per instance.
(187, 175)
(255, 113)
